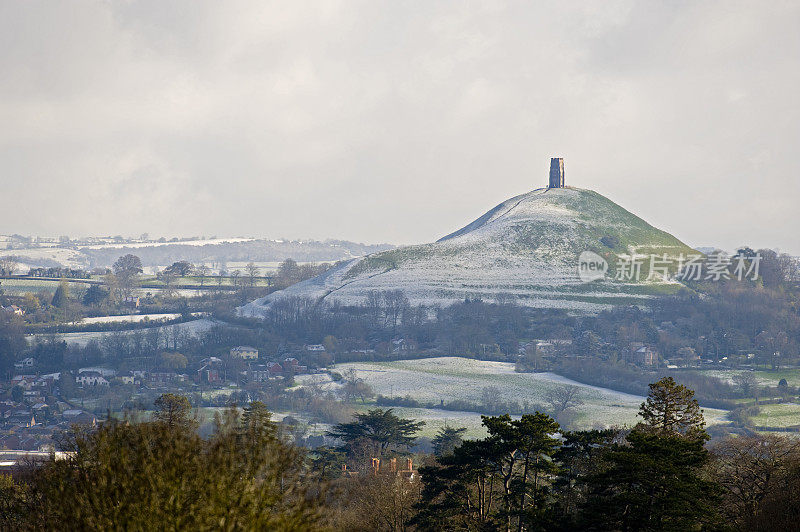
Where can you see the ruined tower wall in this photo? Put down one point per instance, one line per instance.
(556, 172)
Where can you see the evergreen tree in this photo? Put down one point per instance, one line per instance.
(381, 427)
(62, 296)
(446, 440)
(655, 482)
(671, 409)
(500, 482)
(174, 411)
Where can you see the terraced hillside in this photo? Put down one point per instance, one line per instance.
(526, 248)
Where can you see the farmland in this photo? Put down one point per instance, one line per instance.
(193, 327)
(777, 415)
(446, 379)
(764, 377)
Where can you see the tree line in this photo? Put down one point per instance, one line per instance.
(526, 474)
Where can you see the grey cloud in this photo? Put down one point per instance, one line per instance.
(384, 121)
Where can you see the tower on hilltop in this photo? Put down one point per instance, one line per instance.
(556, 173)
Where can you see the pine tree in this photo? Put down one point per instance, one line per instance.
(671, 409)
(655, 481)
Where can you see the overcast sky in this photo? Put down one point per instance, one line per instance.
(395, 121)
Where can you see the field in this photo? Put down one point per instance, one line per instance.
(18, 287)
(778, 415)
(453, 378)
(764, 377)
(82, 338)
(128, 318)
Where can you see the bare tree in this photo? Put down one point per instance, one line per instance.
(751, 469)
(8, 265)
(563, 398)
(355, 387)
(396, 303)
(746, 382)
(252, 273)
(202, 272)
(169, 279)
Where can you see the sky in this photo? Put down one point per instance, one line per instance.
(395, 121)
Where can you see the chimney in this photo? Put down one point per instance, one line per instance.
(376, 465)
(393, 465)
(556, 173)
(409, 464)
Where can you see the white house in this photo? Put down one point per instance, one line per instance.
(91, 378)
(25, 363)
(105, 372)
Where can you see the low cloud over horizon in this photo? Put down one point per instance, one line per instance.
(395, 122)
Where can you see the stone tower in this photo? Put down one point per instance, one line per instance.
(556, 173)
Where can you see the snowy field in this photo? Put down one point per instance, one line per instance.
(454, 378)
(42, 256)
(779, 415)
(135, 245)
(129, 318)
(763, 377)
(83, 338)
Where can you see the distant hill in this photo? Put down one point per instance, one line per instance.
(160, 254)
(526, 248)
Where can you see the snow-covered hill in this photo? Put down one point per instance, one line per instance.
(526, 248)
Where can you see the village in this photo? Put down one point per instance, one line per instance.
(37, 409)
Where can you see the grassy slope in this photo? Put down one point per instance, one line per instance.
(549, 229)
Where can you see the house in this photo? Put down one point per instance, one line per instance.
(209, 373)
(47, 380)
(259, 373)
(645, 356)
(292, 365)
(389, 467)
(164, 377)
(105, 372)
(80, 417)
(17, 311)
(25, 382)
(275, 369)
(400, 345)
(364, 351)
(245, 352)
(27, 362)
(22, 419)
(126, 378)
(314, 347)
(31, 396)
(91, 378)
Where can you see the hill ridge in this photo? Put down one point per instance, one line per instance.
(526, 248)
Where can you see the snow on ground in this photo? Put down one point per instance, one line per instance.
(206, 242)
(763, 377)
(82, 338)
(526, 248)
(131, 318)
(778, 415)
(447, 379)
(43, 256)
